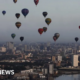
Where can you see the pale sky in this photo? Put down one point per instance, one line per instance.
(65, 15)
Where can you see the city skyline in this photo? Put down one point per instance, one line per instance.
(64, 15)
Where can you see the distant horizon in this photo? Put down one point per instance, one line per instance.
(42, 42)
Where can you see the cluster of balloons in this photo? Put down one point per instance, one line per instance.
(76, 38)
(18, 24)
(25, 13)
(56, 36)
(40, 30)
(47, 20)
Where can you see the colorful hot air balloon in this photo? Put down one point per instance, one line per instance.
(76, 39)
(21, 38)
(48, 21)
(3, 12)
(40, 30)
(13, 35)
(54, 38)
(17, 15)
(57, 35)
(18, 24)
(36, 2)
(44, 14)
(44, 29)
(25, 12)
(79, 27)
(14, 1)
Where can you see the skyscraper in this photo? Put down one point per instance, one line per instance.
(25, 47)
(51, 68)
(53, 58)
(74, 60)
(10, 45)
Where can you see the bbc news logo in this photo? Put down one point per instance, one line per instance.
(6, 72)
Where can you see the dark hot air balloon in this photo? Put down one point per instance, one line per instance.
(3, 12)
(44, 14)
(17, 15)
(79, 27)
(54, 38)
(48, 21)
(21, 38)
(44, 29)
(36, 2)
(76, 39)
(25, 12)
(40, 30)
(57, 35)
(13, 35)
(18, 24)
(14, 1)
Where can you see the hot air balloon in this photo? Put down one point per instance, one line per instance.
(3, 12)
(40, 30)
(48, 21)
(79, 27)
(21, 38)
(13, 35)
(17, 15)
(14, 1)
(18, 24)
(25, 12)
(57, 35)
(76, 39)
(44, 29)
(54, 38)
(36, 2)
(44, 14)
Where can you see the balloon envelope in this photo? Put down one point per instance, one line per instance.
(36, 2)
(54, 38)
(14, 1)
(13, 35)
(57, 35)
(79, 27)
(17, 15)
(76, 39)
(21, 38)
(18, 24)
(45, 14)
(40, 30)
(48, 21)
(44, 29)
(25, 12)
(3, 12)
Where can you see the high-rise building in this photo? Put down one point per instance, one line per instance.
(10, 45)
(2, 49)
(46, 71)
(74, 60)
(59, 58)
(51, 68)
(75, 51)
(53, 58)
(25, 48)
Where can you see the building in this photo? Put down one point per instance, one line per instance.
(10, 45)
(25, 47)
(59, 58)
(74, 60)
(51, 68)
(2, 49)
(46, 71)
(53, 58)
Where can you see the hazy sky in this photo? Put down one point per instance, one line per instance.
(65, 15)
